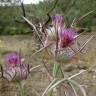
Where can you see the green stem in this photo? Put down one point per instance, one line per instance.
(22, 89)
(57, 71)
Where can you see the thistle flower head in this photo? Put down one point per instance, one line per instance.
(66, 37)
(15, 69)
(57, 20)
(13, 59)
(57, 17)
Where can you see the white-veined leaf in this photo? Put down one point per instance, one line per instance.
(78, 86)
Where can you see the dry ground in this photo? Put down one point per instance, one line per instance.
(37, 81)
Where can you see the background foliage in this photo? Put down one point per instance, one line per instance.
(10, 12)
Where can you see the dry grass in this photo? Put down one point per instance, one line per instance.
(38, 80)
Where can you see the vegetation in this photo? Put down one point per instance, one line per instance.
(56, 59)
(10, 13)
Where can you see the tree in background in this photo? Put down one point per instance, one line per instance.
(10, 10)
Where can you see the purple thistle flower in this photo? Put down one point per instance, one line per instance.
(66, 37)
(15, 69)
(57, 18)
(13, 59)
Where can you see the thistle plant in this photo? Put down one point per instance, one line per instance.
(65, 45)
(61, 43)
(14, 68)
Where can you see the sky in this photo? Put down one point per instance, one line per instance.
(32, 1)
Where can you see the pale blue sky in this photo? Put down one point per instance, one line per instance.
(31, 1)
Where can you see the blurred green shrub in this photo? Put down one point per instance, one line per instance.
(37, 13)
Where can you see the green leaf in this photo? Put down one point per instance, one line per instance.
(73, 87)
(74, 83)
